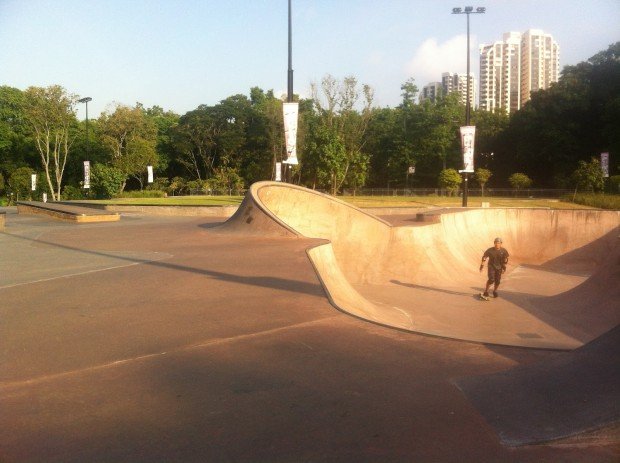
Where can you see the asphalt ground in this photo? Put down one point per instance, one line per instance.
(162, 339)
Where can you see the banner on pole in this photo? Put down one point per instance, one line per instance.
(278, 171)
(290, 131)
(411, 170)
(86, 174)
(33, 180)
(605, 164)
(149, 171)
(468, 134)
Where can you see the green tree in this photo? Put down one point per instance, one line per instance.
(482, 176)
(519, 180)
(589, 176)
(50, 113)
(130, 138)
(450, 180)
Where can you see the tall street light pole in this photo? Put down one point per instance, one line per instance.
(289, 97)
(467, 11)
(86, 100)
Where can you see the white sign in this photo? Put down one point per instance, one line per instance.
(290, 131)
(278, 171)
(86, 174)
(33, 179)
(149, 170)
(411, 170)
(44, 197)
(468, 134)
(605, 164)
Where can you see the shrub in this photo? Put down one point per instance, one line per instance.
(613, 184)
(106, 181)
(601, 201)
(519, 180)
(482, 176)
(449, 179)
(71, 192)
(20, 182)
(1, 183)
(589, 176)
(143, 194)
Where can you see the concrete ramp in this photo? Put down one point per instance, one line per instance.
(424, 278)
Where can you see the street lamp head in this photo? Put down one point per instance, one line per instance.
(456, 10)
(85, 99)
(469, 9)
(481, 9)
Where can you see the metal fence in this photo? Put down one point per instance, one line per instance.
(488, 192)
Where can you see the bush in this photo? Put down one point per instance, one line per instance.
(1, 183)
(589, 176)
(20, 182)
(613, 184)
(106, 182)
(595, 200)
(159, 183)
(449, 179)
(143, 194)
(71, 192)
(519, 180)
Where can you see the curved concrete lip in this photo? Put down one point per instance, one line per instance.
(558, 292)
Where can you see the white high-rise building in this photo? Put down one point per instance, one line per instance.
(500, 69)
(458, 83)
(540, 62)
(514, 67)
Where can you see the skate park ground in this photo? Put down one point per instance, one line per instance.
(166, 339)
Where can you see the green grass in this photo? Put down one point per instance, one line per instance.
(360, 201)
(598, 200)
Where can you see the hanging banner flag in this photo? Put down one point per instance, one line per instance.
(605, 164)
(278, 171)
(86, 174)
(33, 179)
(468, 134)
(44, 197)
(290, 131)
(411, 170)
(149, 170)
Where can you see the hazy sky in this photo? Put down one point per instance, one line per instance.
(179, 54)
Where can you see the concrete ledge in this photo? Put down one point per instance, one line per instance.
(67, 213)
(198, 211)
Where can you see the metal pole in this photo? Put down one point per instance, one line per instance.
(465, 174)
(87, 139)
(290, 55)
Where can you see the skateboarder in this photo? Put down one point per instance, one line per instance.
(498, 258)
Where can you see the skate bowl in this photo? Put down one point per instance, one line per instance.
(560, 290)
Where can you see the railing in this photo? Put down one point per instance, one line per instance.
(488, 192)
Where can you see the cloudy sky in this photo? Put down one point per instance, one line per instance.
(179, 54)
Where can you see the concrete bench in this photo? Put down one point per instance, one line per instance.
(76, 214)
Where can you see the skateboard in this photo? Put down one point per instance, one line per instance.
(484, 298)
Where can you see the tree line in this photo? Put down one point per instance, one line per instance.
(344, 140)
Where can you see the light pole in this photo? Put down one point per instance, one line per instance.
(467, 11)
(86, 100)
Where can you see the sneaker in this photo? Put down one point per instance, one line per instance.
(494, 293)
(485, 294)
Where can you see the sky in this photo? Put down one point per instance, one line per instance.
(179, 54)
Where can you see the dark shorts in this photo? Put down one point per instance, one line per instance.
(495, 276)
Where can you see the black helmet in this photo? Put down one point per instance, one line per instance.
(497, 240)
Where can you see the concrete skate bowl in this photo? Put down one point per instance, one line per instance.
(560, 290)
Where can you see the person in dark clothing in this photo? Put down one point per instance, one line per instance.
(498, 259)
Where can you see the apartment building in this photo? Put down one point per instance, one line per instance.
(431, 92)
(514, 67)
(458, 83)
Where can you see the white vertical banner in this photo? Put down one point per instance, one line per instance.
(468, 134)
(605, 164)
(278, 171)
(33, 180)
(86, 174)
(44, 197)
(149, 171)
(291, 111)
